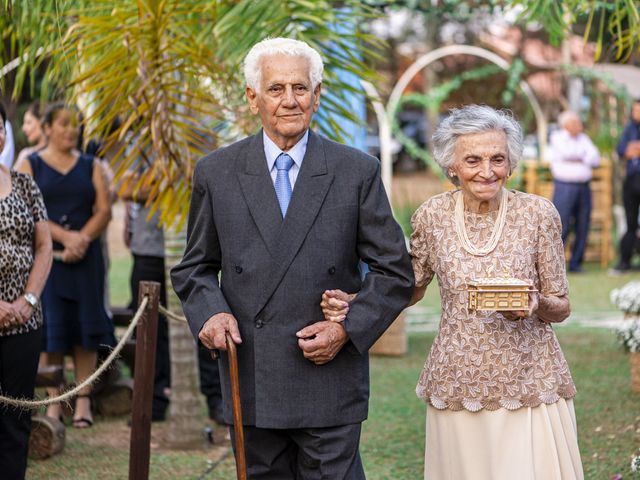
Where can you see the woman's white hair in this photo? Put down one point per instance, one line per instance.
(281, 46)
(474, 119)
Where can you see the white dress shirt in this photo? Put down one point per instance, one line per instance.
(572, 158)
(272, 151)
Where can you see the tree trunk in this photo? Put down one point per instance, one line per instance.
(185, 419)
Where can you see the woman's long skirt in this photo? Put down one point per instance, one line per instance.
(538, 443)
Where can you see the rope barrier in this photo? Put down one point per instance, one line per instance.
(32, 404)
(169, 314)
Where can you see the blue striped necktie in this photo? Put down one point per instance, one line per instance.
(283, 186)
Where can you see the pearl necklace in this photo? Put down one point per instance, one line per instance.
(461, 230)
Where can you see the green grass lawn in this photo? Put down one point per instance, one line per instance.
(393, 438)
(119, 271)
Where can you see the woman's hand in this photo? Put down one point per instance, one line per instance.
(522, 314)
(335, 305)
(8, 315)
(23, 309)
(75, 246)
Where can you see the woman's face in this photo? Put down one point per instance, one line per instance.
(31, 128)
(63, 131)
(3, 134)
(635, 112)
(481, 164)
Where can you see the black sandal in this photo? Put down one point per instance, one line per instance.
(83, 422)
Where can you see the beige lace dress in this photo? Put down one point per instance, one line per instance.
(482, 365)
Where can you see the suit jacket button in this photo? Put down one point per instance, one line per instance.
(238, 269)
(259, 323)
(332, 270)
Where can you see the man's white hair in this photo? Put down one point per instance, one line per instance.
(281, 46)
(566, 117)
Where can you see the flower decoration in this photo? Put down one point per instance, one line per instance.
(627, 298)
(629, 335)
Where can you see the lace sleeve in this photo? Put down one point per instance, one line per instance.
(554, 302)
(420, 247)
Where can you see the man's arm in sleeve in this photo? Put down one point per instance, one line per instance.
(591, 153)
(387, 288)
(624, 142)
(195, 278)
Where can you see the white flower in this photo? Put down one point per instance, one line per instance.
(629, 335)
(635, 464)
(627, 298)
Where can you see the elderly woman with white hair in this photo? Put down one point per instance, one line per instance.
(497, 386)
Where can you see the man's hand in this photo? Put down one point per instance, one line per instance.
(633, 149)
(214, 331)
(321, 341)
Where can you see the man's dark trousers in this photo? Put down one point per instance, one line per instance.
(303, 453)
(631, 200)
(573, 202)
(149, 268)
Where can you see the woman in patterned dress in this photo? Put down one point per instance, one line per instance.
(497, 386)
(25, 260)
(76, 195)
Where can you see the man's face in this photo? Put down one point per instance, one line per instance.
(635, 112)
(286, 101)
(573, 125)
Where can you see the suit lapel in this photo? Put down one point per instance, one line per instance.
(259, 193)
(309, 192)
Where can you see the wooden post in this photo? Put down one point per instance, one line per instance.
(146, 335)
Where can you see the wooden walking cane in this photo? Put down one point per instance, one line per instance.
(241, 462)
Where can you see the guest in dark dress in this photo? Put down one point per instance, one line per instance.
(25, 261)
(76, 196)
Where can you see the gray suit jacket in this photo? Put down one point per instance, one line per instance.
(273, 274)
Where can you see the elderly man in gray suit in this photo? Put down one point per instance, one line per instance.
(275, 220)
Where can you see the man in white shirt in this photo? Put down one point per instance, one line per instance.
(573, 157)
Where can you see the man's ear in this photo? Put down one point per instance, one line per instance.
(316, 97)
(252, 98)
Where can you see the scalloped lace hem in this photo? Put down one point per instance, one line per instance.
(477, 404)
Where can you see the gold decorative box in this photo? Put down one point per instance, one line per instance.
(499, 294)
